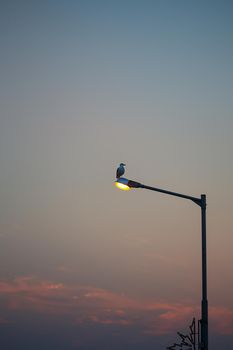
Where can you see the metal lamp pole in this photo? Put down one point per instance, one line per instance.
(201, 202)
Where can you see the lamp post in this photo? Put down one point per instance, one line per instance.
(125, 184)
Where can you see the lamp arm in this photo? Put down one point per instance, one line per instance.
(135, 184)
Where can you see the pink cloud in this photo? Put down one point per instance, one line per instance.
(85, 304)
(3, 320)
(222, 319)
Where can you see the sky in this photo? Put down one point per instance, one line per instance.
(84, 86)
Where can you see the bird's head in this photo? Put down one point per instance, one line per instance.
(122, 164)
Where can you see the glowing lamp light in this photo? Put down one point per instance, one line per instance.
(122, 184)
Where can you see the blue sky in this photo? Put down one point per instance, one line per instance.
(84, 86)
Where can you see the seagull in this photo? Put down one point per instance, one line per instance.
(120, 170)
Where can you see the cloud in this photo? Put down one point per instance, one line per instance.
(222, 319)
(4, 320)
(91, 305)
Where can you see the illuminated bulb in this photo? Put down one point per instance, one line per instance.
(122, 186)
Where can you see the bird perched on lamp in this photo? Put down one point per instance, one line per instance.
(120, 170)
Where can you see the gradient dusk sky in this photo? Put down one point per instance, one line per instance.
(85, 85)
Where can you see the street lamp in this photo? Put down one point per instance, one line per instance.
(126, 184)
